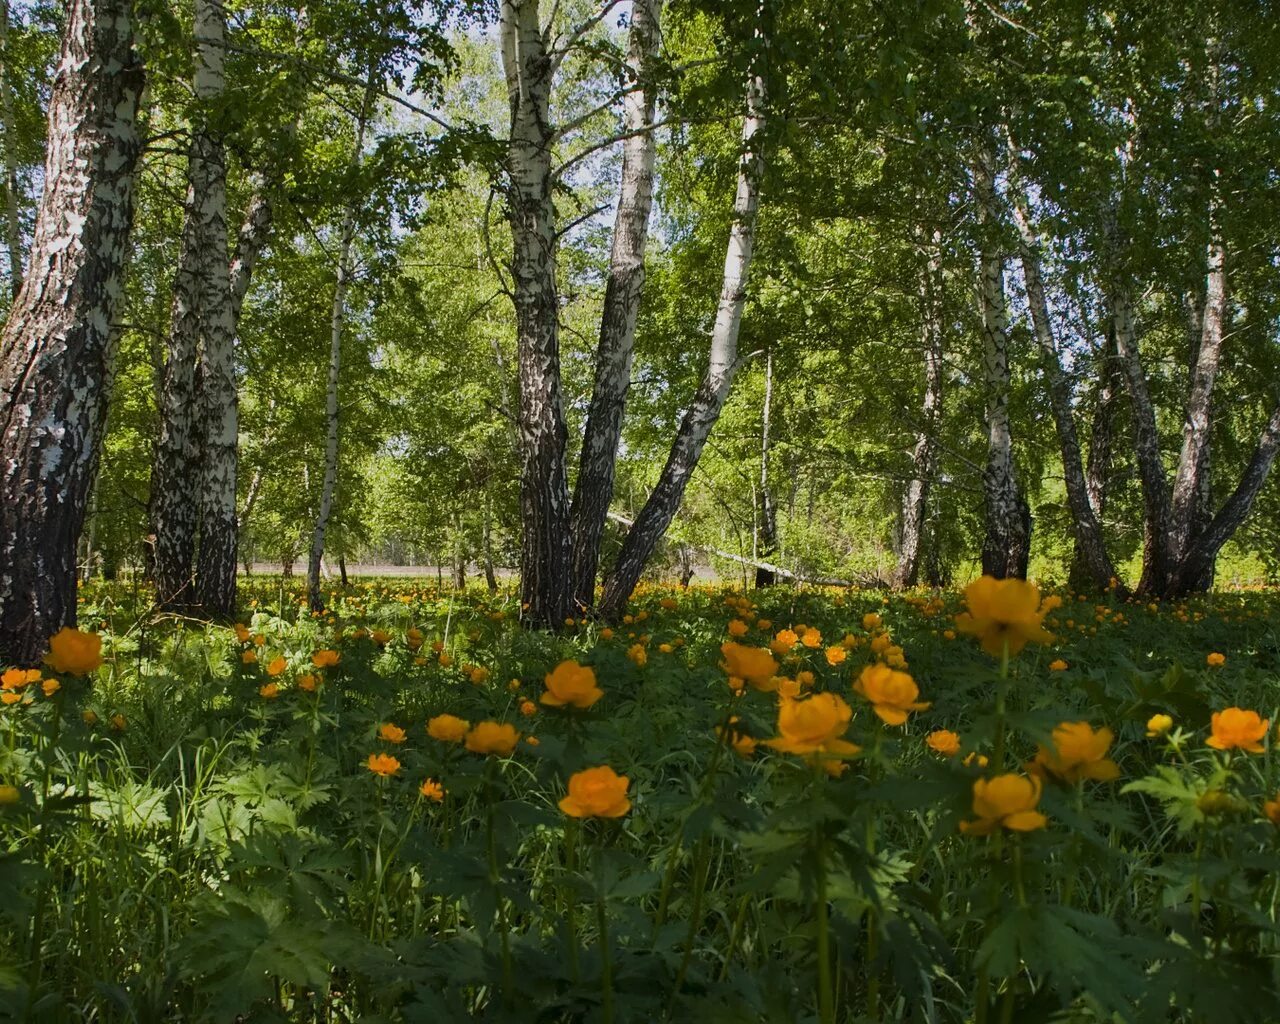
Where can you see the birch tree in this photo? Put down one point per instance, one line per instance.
(722, 365)
(56, 349)
(594, 488)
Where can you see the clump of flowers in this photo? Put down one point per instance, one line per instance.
(597, 793)
(1004, 614)
(1079, 752)
(572, 685)
(1005, 801)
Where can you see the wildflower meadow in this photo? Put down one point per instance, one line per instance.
(782, 805)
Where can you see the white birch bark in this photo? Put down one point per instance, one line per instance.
(1090, 542)
(56, 350)
(594, 488)
(546, 555)
(1006, 546)
(722, 364)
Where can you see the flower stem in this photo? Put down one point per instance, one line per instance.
(606, 961)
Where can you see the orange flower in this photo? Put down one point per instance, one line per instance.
(1007, 801)
(249, 657)
(1215, 660)
(743, 744)
(1271, 809)
(754, 664)
(478, 674)
(597, 793)
(325, 658)
(391, 733)
(1058, 665)
(737, 627)
(1236, 728)
(811, 638)
(1158, 725)
(638, 654)
(528, 708)
(432, 790)
(813, 727)
(277, 666)
(571, 684)
(17, 678)
(871, 621)
(892, 694)
(271, 691)
(783, 642)
(1079, 752)
(1004, 612)
(307, 682)
(50, 687)
(836, 655)
(380, 637)
(944, 742)
(448, 728)
(492, 738)
(382, 764)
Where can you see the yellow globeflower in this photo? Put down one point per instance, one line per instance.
(1004, 612)
(74, 652)
(1215, 660)
(325, 658)
(432, 790)
(382, 764)
(1007, 801)
(597, 793)
(1079, 752)
(1271, 809)
(571, 684)
(391, 733)
(448, 728)
(944, 742)
(492, 738)
(813, 727)
(1236, 728)
(277, 666)
(892, 694)
(754, 664)
(1158, 725)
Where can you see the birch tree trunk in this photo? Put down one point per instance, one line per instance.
(1146, 446)
(216, 559)
(924, 456)
(767, 525)
(1089, 540)
(12, 229)
(594, 489)
(1006, 547)
(1097, 473)
(337, 321)
(56, 349)
(704, 410)
(546, 555)
(1191, 500)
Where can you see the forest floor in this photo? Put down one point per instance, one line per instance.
(779, 805)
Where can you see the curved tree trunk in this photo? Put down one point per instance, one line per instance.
(924, 457)
(1090, 542)
(704, 410)
(56, 350)
(594, 489)
(1006, 548)
(546, 556)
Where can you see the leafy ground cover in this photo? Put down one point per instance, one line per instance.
(777, 805)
